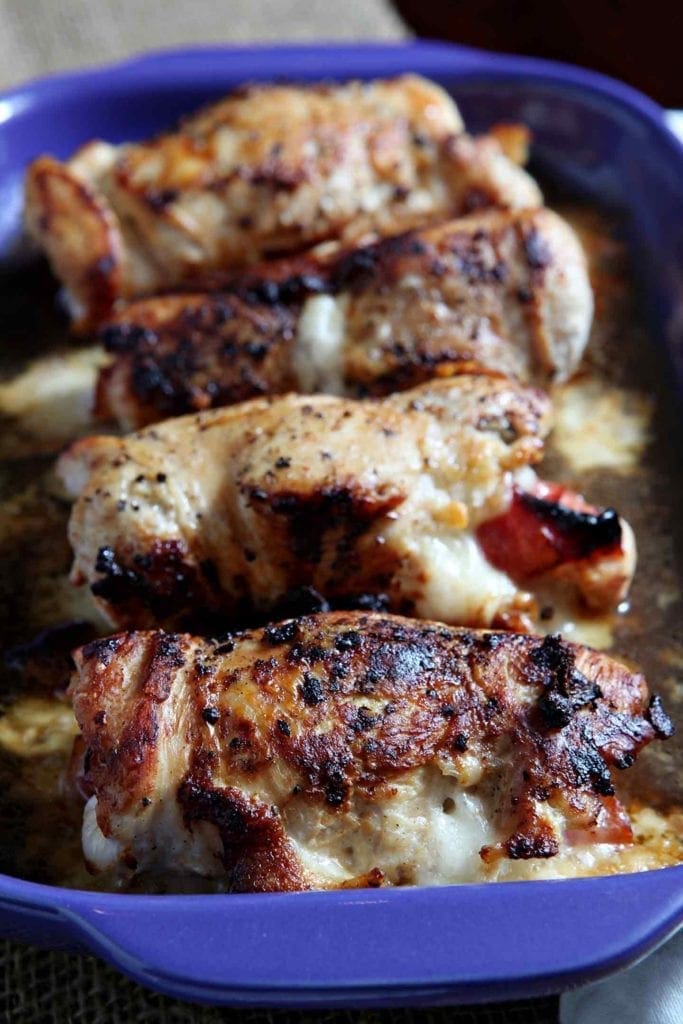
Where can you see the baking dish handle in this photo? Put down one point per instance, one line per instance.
(347, 948)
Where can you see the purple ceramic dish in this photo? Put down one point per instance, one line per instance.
(374, 947)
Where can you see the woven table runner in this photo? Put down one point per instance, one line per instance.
(39, 987)
(38, 36)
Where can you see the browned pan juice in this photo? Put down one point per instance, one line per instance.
(617, 442)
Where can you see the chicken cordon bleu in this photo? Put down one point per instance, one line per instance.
(350, 750)
(504, 290)
(423, 502)
(268, 169)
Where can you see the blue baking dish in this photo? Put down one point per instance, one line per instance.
(374, 947)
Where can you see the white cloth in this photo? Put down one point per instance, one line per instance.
(649, 993)
(674, 119)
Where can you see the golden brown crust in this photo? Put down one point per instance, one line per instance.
(73, 221)
(217, 517)
(174, 355)
(423, 501)
(479, 292)
(267, 171)
(340, 706)
(503, 291)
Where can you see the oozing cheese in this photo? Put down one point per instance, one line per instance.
(49, 403)
(195, 852)
(601, 427)
(443, 565)
(429, 832)
(460, 585)
(99, 851)
(318, 353)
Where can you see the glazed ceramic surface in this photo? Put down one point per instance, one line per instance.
(379, 947)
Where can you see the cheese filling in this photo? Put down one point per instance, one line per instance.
(459, 584)
(99, 851)
(444, 567)
(429, 833)
(318, 352)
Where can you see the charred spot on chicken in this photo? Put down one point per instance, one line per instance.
(381, 318)
(265, 171)
(304, 777)
(422, 503)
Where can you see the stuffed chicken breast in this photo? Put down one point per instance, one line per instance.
(424, 501)
(504, 290)
(269, 169)
(352, 749)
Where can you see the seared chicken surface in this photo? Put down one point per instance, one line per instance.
(504, 290)
(351, 749)
(424, 501)
(269, 169)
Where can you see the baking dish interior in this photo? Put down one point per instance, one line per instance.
(592, 139)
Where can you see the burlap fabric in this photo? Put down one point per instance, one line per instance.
(38, 36)
(57, 988)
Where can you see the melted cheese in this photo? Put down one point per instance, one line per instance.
(593, 630)
(50, 402)
(597, 426)
(429, 831)
(37, 726)
(459, 584)
(318, 361)
(443, 564)
(99, 851)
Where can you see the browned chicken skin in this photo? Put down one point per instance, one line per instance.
(175, 354)
(269, 169)
(504, 290)
(219, 516)
(351, 749)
